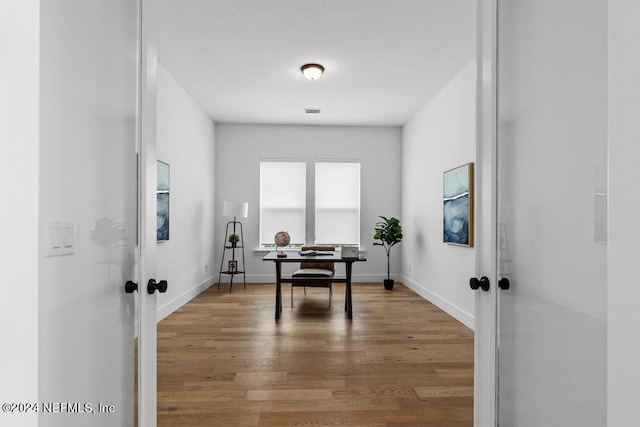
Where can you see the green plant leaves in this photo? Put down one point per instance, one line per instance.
(389, 231)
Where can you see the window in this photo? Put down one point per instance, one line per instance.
(283, 200)
(337, 197)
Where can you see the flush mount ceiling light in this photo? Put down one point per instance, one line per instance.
(312, 71)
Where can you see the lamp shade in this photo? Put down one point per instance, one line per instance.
(236, 209)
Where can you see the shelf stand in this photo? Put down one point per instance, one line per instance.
(239, 245)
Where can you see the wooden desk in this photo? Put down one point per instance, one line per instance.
(294, 256)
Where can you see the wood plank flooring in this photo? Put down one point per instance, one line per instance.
(223, 360)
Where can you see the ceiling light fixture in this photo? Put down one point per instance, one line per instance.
(312, 71)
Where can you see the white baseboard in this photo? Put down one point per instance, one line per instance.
(453, 310)
(183, 298)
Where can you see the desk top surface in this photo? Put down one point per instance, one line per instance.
(294, 256)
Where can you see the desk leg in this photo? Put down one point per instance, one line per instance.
(349, 300)
(278, 290)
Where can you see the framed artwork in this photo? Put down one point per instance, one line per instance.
(233, 266)
(162, 196)
(458, 206)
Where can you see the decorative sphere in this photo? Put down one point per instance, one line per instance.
(282, 239)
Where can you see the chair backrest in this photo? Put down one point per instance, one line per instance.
(320, 265)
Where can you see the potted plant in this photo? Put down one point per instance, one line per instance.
(234, 239)
(389, 232)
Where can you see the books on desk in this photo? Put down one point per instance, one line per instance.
(312, 253)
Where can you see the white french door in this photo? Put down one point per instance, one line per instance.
(147, 128)
(544, 135)
(89, 199)
(484, 393)
(552, 212)
(98, 209)
(552, 191)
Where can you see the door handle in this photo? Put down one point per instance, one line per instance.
(481, 283)
(504, 284)
(152, 286)
(130, 287)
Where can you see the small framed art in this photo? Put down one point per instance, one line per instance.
(458, 206)
(162, 197)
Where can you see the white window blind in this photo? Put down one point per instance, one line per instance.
(337, 198)
(283, 201)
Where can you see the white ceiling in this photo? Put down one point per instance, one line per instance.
(383, 59)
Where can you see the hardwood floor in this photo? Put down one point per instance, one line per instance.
(223, 360)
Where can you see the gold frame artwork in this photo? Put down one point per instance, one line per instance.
(458, 205)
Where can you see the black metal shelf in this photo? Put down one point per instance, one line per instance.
(228, 249)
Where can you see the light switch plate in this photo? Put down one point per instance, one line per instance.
(61, 237)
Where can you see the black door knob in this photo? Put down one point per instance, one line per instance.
(161, 286)
(481, 283)
(504, 284)
(130, 287)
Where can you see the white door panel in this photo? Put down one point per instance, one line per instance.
(148, 185)
(623, 320)
(88, 218)
(486, 247)
(552, 149)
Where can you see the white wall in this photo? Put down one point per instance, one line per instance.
(439, 137)
(240, 148)
(186, 141)
(623, 316)
(19, 145)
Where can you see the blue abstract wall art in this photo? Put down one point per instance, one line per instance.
(162, 196)
(458, 205)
